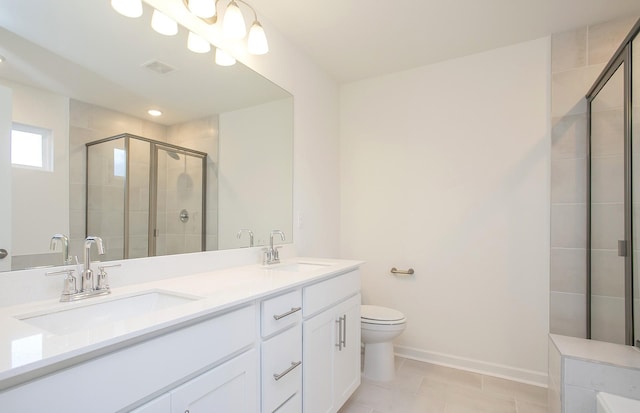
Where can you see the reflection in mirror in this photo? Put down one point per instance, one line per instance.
(83, 74)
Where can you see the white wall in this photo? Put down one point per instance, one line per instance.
(445, 169)
(245, 198)
(33, 189)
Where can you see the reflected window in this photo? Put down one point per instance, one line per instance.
(31, 147)
(119, 162)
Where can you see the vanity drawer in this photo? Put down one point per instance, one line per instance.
(281, 312)
(293, 405)
(281, 368)
(323, 294)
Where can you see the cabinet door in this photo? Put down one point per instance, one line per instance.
(347, 356)
(318, 349)
(161, 404)
(231, 387)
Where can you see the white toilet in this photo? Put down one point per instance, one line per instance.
(380, 325)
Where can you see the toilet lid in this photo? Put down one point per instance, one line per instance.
(375, 314)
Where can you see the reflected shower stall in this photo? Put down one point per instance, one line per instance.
(145, 197)
(613, 204)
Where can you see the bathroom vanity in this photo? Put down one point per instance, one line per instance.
(244, 339)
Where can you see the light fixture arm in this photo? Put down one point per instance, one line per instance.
(210, 20)
(255, 15)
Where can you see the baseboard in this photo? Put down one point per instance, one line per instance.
(490, 369)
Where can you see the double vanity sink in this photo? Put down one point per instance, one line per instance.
(65, 318)
(40, 337)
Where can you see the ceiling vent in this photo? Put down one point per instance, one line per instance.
(158, 67)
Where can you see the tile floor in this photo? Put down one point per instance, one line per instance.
(427, 388)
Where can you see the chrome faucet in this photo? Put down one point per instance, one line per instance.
(86, 285)
(63, 240)
(250, 235)
(87, 288)
(271, 255)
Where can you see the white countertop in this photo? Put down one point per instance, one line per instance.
(27, 352)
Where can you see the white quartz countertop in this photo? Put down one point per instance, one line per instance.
(27, 351)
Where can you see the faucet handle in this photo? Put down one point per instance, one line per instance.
(103, 281)
(70, 287)
(276, 254)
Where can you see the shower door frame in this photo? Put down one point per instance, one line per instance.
(153, 145)
(621, 57)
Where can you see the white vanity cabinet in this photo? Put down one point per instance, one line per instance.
(122, 378)
(331, 345)
(229, 387)
(281, 361)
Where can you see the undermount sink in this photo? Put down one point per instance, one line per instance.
(300, 266)
(63, 321)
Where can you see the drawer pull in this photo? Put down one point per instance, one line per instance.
(293, 365)
(293, 310)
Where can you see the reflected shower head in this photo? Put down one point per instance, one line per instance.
(173, 155)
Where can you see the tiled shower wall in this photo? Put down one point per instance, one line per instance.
(577, 58)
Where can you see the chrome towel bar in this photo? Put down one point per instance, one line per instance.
(394, 270)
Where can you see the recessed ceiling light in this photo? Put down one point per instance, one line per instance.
(154, 112)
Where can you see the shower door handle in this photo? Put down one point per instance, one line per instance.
(3, 253)
(622, 248)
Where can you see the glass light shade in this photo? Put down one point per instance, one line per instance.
(224, 59)
(129, 8)
(257, 42)
(233, 26)
(163, 24)
(203, 8)
(198, 44)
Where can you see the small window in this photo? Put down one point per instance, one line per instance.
(31, 147)
(119, 162)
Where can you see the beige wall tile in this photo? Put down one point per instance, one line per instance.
(568, 225)
(568, 270)
(569, 137)
(605, 38)
(569, 181)
(569, 50)
(568, 314)
(568, 90)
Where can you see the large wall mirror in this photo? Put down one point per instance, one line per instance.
(80, 155)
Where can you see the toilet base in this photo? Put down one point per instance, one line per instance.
(379, 361)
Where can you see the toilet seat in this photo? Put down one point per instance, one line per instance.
(374, 314)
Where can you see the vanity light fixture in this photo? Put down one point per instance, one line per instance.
(233, 26)
(257, 41)
(128, 8)
(154, 112)
(202, 8)
(163, 24)
(197, 43)
(223, 58)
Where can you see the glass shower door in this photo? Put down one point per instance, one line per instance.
(179, 214)
(607, 212)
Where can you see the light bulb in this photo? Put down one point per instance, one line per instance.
(203, 8)
(197, 43)
(129, 8)
(257, 42)
(224, 59)
(163, 24)
(233, 23)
